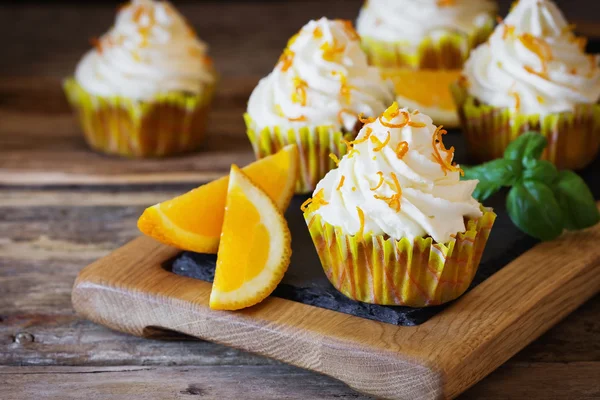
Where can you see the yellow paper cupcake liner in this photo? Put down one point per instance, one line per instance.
(373, 269)
(314, 146)
(168, 124)
(573, 137)
(449, 51)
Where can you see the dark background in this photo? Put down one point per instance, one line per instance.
(245, 37)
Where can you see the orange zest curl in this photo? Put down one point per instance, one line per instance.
(332, 51)
(318, 33)
(351, 149)
(299, 94)
(380, 181)
(380, 145)
(368, 132)
(339, 186)
(297, 119)
(364, 120)
(286, 59)
(345, 89)
(97, 43)
(361, 218)
(446, 161)
(314, 203)
(509, 30)
(391, 113)
(517, 100)
(542, 74)
(401, 149)
(335, 158)
(416, 124)
(394, 200)
(539, 47)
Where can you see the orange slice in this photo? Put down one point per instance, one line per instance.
(193, 220)
(255, 247)
(427, 91)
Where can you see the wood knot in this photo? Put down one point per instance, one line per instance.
(24, 337)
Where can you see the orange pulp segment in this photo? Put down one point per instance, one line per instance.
(255, 246)
(193, 220)
(427, 91)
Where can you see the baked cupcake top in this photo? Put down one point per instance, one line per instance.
(322, 79)
(411, 21)
(398, 180)
(533, 63)
(151, 49)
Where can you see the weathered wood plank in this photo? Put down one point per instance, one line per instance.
(225, 382)
(514, 381)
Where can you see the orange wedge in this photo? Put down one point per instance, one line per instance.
(427, 91)
(255, 247)
(193, 220)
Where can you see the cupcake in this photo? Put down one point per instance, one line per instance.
(315, 97)
(424, 34)
(145, 87)
(394, 224)
(532, 74)
(422, 44)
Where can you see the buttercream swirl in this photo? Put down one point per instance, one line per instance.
(411, 21)
(533, 63)
(321, 79)
(151, 49)
(397, 180)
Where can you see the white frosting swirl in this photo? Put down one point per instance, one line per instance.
(411, 21)
(432, 199)
(322, 79)
(150, 50)
(533, 63)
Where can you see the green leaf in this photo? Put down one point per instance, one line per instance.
(533, 209)
(539, 170)
(492, 176)
(576, 201)
(527, 145)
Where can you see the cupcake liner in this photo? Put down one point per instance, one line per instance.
(378, 270)
(446, 51)
(573, 137)
(168, 124)
(314, 146)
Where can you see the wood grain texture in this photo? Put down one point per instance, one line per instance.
(129, 291)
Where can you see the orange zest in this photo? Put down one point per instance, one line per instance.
(446, 161)
(317, 33)
(365, 120)
(393, 201)
(540, 48)
(286, 59)
(335, 158)
(350, 147)
(361, 218)
(381, 179)
(331, 51)
(97, 43)
(342, 112)
(342, 179)
(415, 124)
(299, 94)
(315, 202)
(368, 132)
(380, 145)
(509, 30)
(401, 149)
(517, 100)
(400, 125)
(345, 89)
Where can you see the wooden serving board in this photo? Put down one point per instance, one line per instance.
(132, 290)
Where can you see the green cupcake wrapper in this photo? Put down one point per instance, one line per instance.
(448, 51)
(373, 269)
(314, 146)
(573, 137)
(169, 123)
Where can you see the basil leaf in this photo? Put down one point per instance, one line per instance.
(539, 170)
(492, 176)
(533, 209)
(527, 145)
(576, 201)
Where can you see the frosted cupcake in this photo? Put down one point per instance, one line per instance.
(144, 90)
(314, 97)
(532, 74)
(424, 34)
(394, 224)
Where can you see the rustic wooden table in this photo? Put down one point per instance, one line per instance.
(48, 233)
